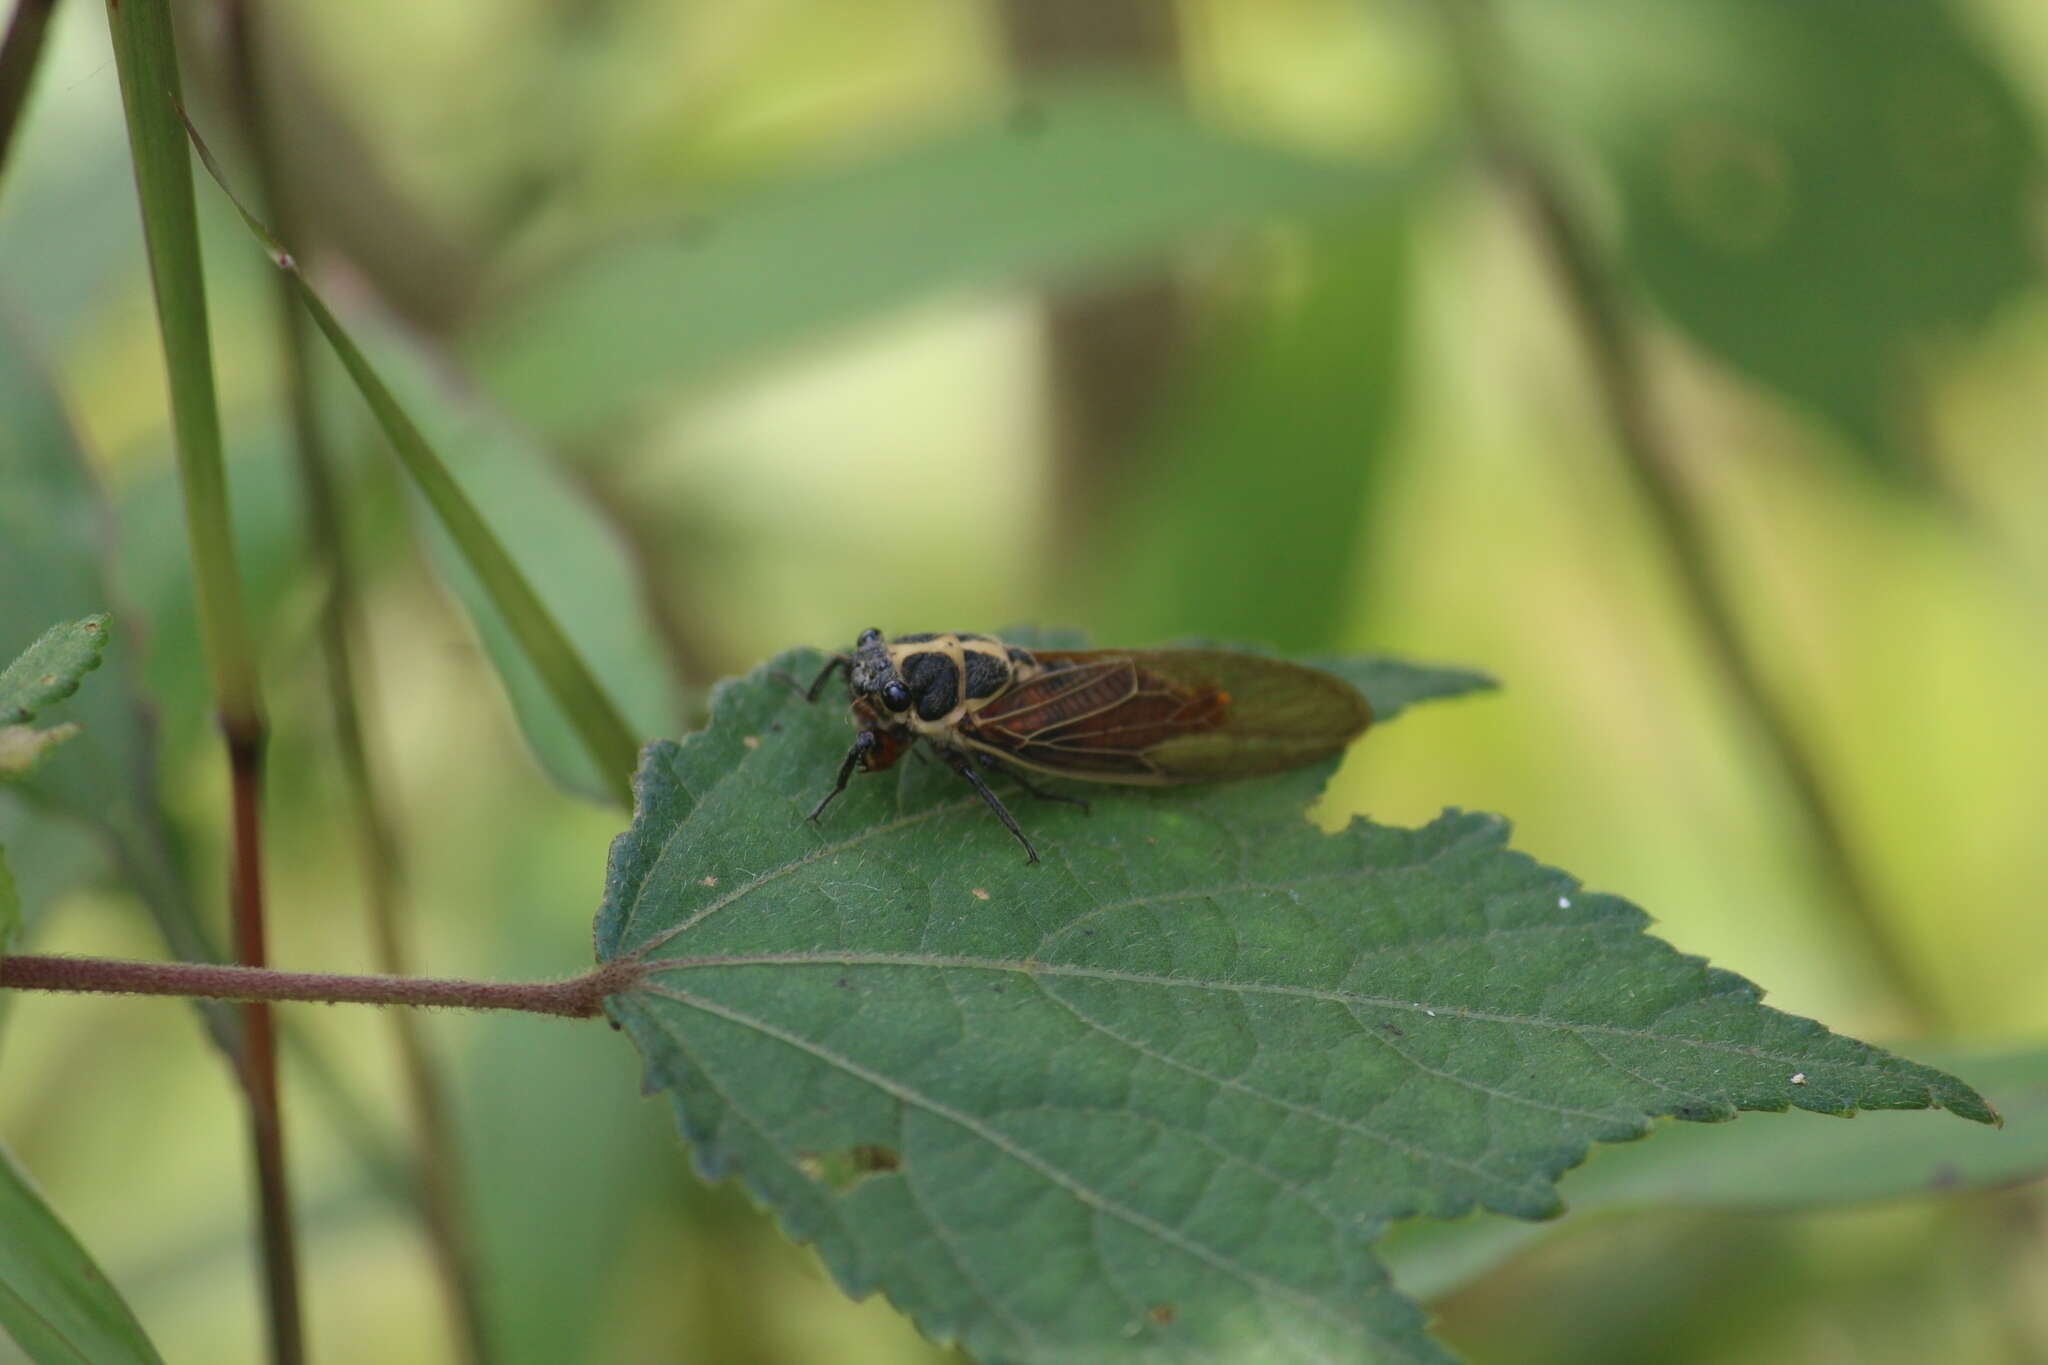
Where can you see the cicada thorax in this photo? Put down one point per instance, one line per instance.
(951, 676)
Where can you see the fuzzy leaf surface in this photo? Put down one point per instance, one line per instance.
(47, 671)
(1155, 1098)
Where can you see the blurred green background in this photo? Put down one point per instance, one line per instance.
(758, 322)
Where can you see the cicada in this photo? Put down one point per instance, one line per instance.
(1149, 717)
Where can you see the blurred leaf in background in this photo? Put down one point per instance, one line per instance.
(1242, 514)
(1825, 195)
(1067, 183)
(54, 533)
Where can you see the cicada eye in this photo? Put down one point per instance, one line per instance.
(896, 696)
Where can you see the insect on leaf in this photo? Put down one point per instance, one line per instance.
(1155, 1098)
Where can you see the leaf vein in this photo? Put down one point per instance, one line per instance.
(1024, 1156)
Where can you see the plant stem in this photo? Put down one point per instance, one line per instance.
(20, 53)
(580, 997)
(259, 1063)
(436, 1181)
(1600, 314)
(147, 58)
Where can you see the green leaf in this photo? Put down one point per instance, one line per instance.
(1080, 181)
(1393, 685)
(1818, 193)
(1788, 1165)
(1155, 1098)
(47, 671)
(1317, 370)
(56, 1304)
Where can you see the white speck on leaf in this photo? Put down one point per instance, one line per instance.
(1799, 1078)
(1564, 902)
(980, 894)
(707, 880)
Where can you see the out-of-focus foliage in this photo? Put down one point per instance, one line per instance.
(54, 1302)
(1823, 194)
(1372, 435)
(1064, 184)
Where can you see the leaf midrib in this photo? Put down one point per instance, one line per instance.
(1345, 998)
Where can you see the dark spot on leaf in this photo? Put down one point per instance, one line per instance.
(1947, 1176)
(1395, 1029)
(997, 989)
(840, 983)
(873, 1156)
(1161, 1314)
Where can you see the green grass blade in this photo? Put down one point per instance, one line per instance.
(569, 680)
(147, 60)
(58, 1306)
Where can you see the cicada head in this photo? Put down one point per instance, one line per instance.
(871, 676)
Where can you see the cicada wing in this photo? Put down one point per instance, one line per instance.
(1167, 716)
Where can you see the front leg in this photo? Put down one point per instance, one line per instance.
(863, 744)
(834, 665)
(810, 693)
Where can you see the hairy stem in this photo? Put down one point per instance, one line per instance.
(1600, 314)
(259, 1061)
(580, 997)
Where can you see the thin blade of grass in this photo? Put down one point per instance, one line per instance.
(569, 680)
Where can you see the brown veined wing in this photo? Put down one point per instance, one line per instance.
(1163, 716)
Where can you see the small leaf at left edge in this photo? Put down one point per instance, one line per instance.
(45, 673)
(58, 1306)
